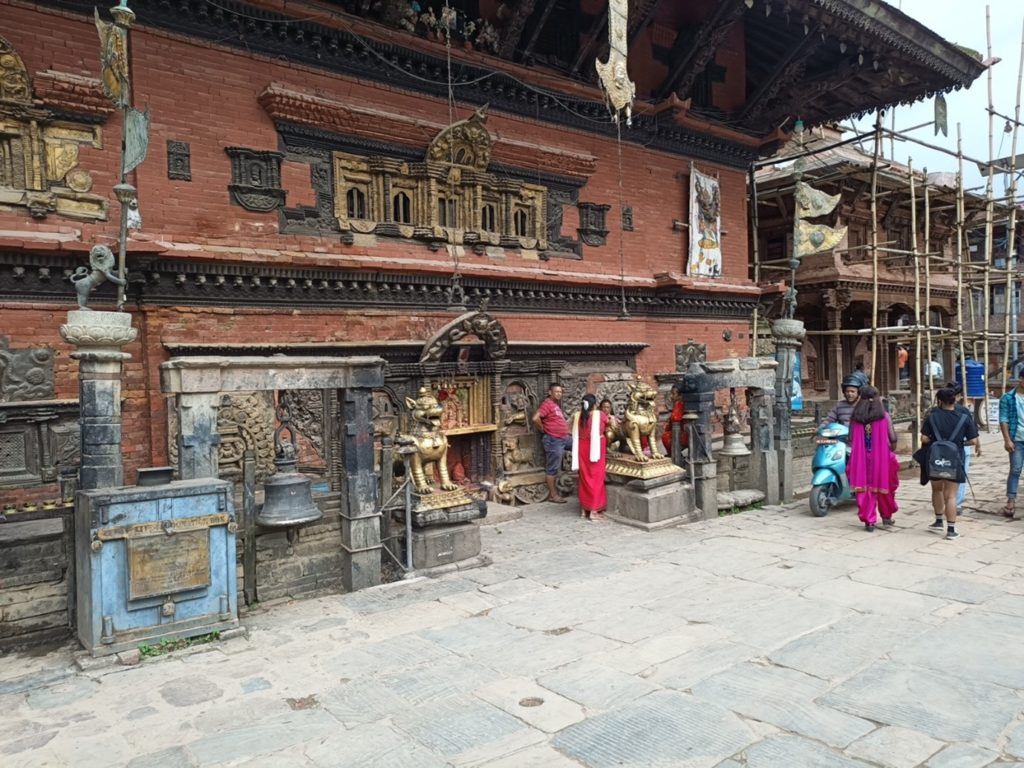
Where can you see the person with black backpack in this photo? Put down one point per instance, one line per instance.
(944, 434)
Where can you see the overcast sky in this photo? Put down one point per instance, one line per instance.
(963, 22)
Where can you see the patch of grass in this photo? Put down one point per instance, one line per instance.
(167, 645)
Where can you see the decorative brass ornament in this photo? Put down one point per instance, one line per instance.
(815, 238)
(812, 202)
(639, 420)
(465, 143)
(614, 75)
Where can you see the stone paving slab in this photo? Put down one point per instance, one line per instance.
(784, 698)
(663, 730)
(935, 703)
(766, 639)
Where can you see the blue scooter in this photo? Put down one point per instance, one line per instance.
(828, 468)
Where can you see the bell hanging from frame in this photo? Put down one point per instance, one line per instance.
(288, 494)
(734, 445)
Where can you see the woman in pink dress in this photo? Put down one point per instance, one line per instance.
(873, 471)
(589, 447)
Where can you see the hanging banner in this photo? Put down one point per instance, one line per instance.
(705, 257)
(136, 137)
(113, 60)
(614, 76)
(796, 395)
(941, 119)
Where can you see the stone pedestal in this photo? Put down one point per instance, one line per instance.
(652, 509)
(649, 495)
(444, 530)
(445, 544)
(99, 337)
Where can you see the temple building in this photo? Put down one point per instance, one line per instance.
(438, 183)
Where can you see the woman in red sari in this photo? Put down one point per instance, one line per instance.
(873, 471)
(589, 448)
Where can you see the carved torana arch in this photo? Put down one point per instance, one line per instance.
(14, 83)
(466, 143)
(479, 324)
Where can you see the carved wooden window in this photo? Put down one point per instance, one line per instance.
(447, 212)
(489, 218)
(355, 203)
(521, 223)
(401, 209)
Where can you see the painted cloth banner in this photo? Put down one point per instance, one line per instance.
(705, 258)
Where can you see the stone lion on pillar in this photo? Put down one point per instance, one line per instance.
(640, 420)
(431, 444)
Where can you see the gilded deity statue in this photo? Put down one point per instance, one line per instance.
(639, 420)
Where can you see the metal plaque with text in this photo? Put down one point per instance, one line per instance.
(165, 564)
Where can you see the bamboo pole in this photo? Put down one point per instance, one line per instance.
(989, 211)
(874, 237)
(917, 379)
(960, 255)
(1011, 234)
(927, 280)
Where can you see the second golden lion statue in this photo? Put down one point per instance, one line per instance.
(640, 420)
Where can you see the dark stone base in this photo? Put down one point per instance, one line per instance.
(443, 544)
(653, 509)
(424, 514)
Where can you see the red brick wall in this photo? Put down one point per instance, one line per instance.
(207, 97)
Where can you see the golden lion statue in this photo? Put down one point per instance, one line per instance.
(640, 420)
(431, 444)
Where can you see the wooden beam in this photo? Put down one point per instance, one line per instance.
(513, 31)
(691, 53)
(786, 70)
(641, 18)
(541, 23)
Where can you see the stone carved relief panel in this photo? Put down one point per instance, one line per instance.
(25, 374)
(39, 152)
(179, 160)
(593, 225)
(245, 420)
(306, 409)
(689, 353)
(37, 440)
(255, 179)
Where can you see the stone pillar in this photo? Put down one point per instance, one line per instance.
(198, 438)
(764, 463)
(360, 516)
(705, 467)
(99, 337)
(789, 337)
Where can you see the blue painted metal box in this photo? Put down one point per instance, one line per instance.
(154, 563)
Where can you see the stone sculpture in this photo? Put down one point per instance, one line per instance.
(101, 259)
(431, 444)
(639, 420)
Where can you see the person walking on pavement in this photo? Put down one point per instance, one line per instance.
(873, 470)
(943, 426)
(1011, 424)
(961, 491)
(550, 422)
(589, 447)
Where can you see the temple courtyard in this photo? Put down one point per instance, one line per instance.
(763, 638)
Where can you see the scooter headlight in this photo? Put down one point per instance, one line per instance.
(832, 434)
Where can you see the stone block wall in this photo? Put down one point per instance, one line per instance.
(33, 583)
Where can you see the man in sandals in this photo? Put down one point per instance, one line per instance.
(1011, 424)
(550, 422)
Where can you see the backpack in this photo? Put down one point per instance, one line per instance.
(945, 456)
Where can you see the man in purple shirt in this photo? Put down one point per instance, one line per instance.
(551, 423)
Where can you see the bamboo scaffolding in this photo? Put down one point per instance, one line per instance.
(976, 217)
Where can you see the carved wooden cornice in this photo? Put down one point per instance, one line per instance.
(157, 281)
(288, 105)
(73, 95)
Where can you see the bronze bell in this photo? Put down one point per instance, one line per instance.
(734, 444)
(287, 494)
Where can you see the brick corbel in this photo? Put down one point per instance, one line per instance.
(284, 104)
(72, 94)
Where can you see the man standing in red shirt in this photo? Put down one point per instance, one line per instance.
(550, 422)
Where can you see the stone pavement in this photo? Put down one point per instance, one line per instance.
(762, 639)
